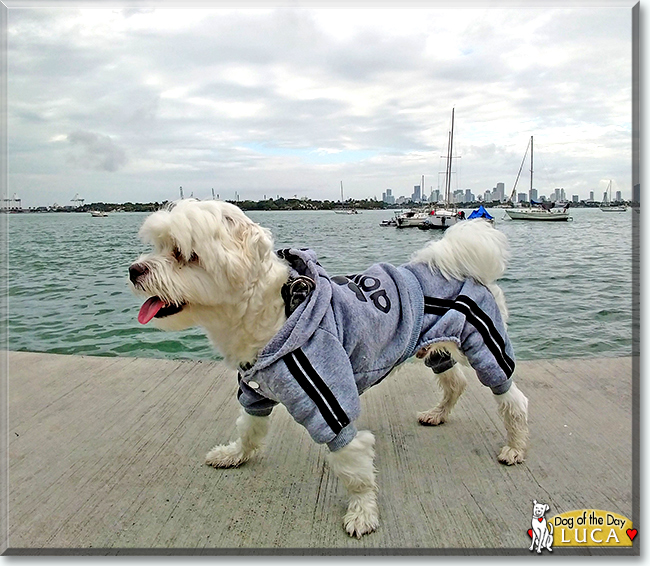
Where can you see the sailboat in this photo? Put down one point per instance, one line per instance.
(346, 210)
(439, 217)
(612, 207)
(538, 211)
(446, 215)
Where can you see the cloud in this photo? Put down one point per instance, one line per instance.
(96, 151)
(247, 100)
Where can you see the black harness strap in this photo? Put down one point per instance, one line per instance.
(295, 291)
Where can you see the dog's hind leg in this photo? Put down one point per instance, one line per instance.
(452, 382)
(252, 431)
(353, 465)
(513, 409)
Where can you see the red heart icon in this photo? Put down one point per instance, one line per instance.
(530, 533)
(540, 519)
(631, 533)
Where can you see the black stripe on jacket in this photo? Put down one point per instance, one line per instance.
(479, 320)
(314, 386)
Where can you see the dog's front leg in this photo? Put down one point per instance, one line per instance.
(252, 431)
(353, 465)
(513, 409)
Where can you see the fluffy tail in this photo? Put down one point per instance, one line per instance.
(470, 248)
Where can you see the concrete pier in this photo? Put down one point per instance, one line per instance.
(106, 456)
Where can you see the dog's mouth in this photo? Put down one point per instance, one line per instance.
(155, 307)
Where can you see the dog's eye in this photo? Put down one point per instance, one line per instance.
(180, 258)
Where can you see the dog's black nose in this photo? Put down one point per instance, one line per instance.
(137, 270)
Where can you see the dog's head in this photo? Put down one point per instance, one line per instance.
(539, 509)
(206, 254)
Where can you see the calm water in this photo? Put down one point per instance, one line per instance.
(568, 285)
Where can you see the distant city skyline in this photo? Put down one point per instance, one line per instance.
(127, 105)
(431, 195)
(14, 203)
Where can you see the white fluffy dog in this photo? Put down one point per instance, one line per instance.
(214, 267)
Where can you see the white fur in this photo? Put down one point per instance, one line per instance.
(219, 265)
(513, 409)
(252, 430)
(233, 287)
(472, 248)
(354, 466)
(453, 384)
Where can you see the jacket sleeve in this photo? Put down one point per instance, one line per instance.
(254, 403)
(316, 384)
(485, 343)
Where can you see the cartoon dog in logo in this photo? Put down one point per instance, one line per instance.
(540, 531)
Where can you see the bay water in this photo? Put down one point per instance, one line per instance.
(568, 284)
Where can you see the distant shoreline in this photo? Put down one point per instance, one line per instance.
(271, 205)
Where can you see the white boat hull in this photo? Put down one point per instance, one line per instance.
(539, 215)
(411, 221)
(442, 221)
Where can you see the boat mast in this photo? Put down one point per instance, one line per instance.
(342, 201)
(531, 165)
(449, 158)
(610, 192)
(447, 167)
(513, 194)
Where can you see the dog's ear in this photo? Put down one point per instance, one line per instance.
(534, 501)
(253, 246)
(256, 242)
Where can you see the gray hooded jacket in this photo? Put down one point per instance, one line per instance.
(353, 330)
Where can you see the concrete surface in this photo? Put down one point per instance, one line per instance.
(107, 454)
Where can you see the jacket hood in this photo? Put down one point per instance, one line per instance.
(305, 320)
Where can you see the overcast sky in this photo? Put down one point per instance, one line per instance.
(129, 104)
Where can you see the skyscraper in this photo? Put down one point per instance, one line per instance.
(499, 192)
(388, 197)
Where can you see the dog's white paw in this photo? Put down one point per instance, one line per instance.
(433, 417)
(510, 456)
(226, 455)
(359, 521)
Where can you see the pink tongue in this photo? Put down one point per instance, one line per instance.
(149, 309)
